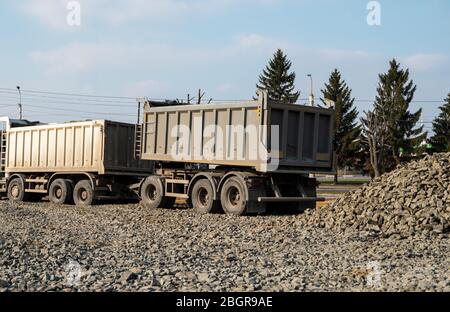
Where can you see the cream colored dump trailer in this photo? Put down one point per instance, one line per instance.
(266, 136)
(239, 157)
(77, 160)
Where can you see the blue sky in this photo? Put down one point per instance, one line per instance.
(168, 48)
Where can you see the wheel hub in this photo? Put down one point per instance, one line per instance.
(152, 193)
(15, 191)
(203, 197)
(234, 196)
(84, 195)
(58, 193)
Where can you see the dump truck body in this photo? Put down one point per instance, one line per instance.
(53, 159)
(243, 157)
(297, 138)
(99, 146)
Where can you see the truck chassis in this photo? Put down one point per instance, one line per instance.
(233, 191)
(78, 188)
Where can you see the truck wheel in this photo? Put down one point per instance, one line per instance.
(16, 190)
(232, 197)
(203, 197)
(83, 194)
(60, 192)
(152, 193)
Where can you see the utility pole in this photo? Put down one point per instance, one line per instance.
(311, 103)
(20, 103)
(311, 95)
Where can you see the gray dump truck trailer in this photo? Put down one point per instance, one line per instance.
(241, 158)
(75, 162)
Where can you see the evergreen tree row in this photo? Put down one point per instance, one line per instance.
(386, 136)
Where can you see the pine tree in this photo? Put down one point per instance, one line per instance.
(277, 79)
(346, 129)
(441, 128)
(395, 93)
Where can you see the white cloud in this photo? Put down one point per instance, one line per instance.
(49, 12)
(335, 55)
(251, 40)
(425, 62)
(123, 11)
(153, 88)
(80, 57)
(54, 12)
(225, 87)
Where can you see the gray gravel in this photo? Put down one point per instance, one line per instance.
(413, 199)
(128, 248)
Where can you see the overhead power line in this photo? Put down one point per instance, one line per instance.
(413, 101)
(72, 94)
(109, 98)
(77, 111)
(45, 103)
(40, 113)
(29, 95)
(74, 102)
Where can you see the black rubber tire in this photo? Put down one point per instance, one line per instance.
(232, 197)
(152, 193)
(60, 192)
(83, 194)
(202, 197)
(16, 191)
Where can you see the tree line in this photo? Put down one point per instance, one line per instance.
(386, 136)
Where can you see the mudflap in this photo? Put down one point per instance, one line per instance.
(253, 206)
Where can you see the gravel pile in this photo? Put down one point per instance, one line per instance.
(413, 199)
(128, 248)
